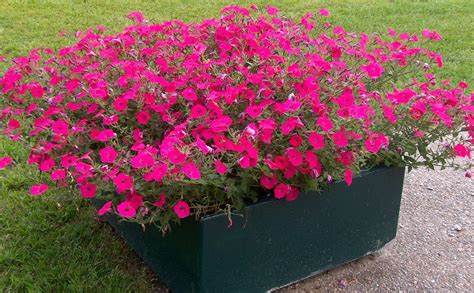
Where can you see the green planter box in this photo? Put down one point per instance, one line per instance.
(276, 243)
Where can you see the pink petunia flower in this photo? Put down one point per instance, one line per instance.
(161, 201)
(292, 194)
(203, 147)
(373, 70)
(60, 128)
(189, 94)
(462, 151)
(346, 99)
(83, 168)
(121, 104)
(431, 35)
(38, 189)
(345, 157)
(108, 154)
(389, 114)
(98, 92)
(290, 124)
(339, 139)
(316, 140)
(254, 111)
(221, 124)
(158, 172)
(58, 174)
(13, 124)
(135, 199)
(271, 10)
(348, 176)
(281, 190)
(313, 163)
(198, 111)
(102, 135)
(68, 161)
(88, 190)
(269, 182)
(295, 140)
(126, 209)
(191, 171)
(47, 165)
(375, 141)
(247, 161)
(37, 91)
(294, 156)
(325, 123)
(181, 209)
(5, 162)
(105, 208)
(221, 168)
(324, 12)
(142, 160)
(123, 182)
(143, 117)
(176, 157)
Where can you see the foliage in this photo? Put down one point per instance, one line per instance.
(171, 119)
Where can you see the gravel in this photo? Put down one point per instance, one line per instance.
(433, 250)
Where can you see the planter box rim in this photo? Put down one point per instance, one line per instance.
(268, 198)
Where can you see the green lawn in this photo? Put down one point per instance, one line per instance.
(53, 244)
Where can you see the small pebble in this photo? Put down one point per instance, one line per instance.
(342, 283)
(457, 227)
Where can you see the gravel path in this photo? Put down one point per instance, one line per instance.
(434, 248)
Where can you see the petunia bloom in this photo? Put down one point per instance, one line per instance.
(348, 176)
(126, 209)
(142, 160)
(339, 139)
(373, 70)
(375, 141)
(181, 209)
(58, 174)
(294, 156)
(105, 208)
(281, 190)
(88, 190)
(462, 151)
(108, 154)
(123, 182)
(191, 171)
(38, 189)
(220, 167)
(161, 201)
(269, 182)
(324, 12)
(5, 162)
(316, 140)
(271, 10)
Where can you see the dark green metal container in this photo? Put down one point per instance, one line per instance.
(276, 243)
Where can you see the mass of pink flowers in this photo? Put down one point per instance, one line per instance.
(166, 120)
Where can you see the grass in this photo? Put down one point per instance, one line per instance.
(56, 244)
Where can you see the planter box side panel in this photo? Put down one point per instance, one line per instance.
(175, 257)
(280, 242)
